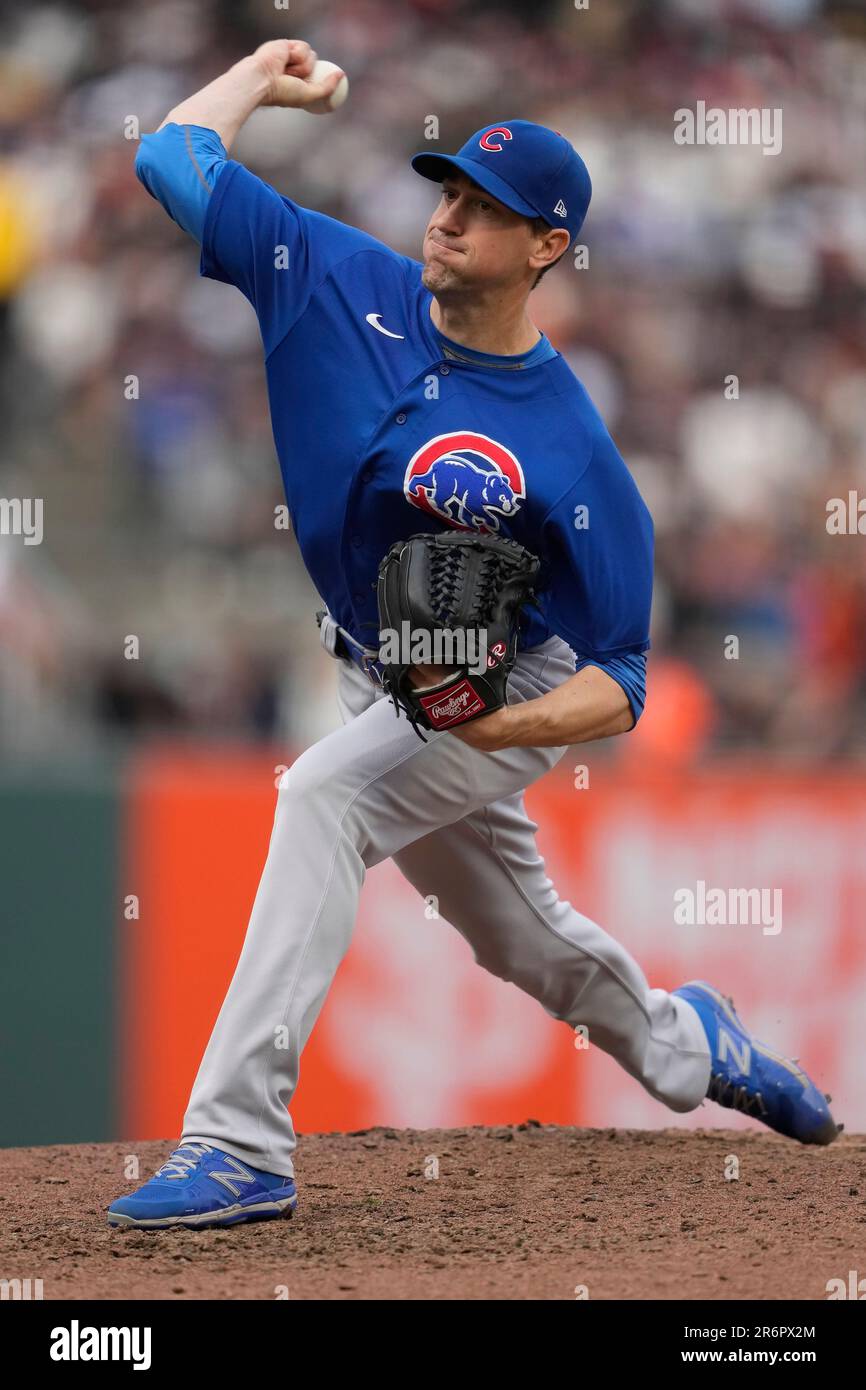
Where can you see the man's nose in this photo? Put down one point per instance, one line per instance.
(449, 216)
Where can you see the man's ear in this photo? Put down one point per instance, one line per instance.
(554, 245)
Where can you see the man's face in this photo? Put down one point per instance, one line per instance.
(474, 241)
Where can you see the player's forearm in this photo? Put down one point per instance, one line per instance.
(590, 705)
(227, 102)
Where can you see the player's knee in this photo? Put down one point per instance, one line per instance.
(325, 803)
(314, 799)
(304, 784)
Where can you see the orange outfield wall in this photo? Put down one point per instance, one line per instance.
(414, 1032)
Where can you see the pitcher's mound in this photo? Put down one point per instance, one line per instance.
(524, 1212)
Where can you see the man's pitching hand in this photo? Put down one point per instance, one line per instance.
(288, 65)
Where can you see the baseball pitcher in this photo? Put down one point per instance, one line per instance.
(412, 400)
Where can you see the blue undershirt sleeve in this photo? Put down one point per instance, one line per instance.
(629, 671)
(179, 167)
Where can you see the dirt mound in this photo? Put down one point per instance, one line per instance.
(525, 1212)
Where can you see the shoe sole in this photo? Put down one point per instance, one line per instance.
(225, 1216)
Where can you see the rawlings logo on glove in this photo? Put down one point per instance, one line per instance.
(453, 706)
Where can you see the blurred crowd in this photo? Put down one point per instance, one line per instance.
(719, 325)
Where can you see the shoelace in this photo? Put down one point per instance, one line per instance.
(182, 1166)
(734, 1097)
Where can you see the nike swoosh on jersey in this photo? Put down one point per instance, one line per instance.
(373, 320)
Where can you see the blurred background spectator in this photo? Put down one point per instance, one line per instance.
(133, 398)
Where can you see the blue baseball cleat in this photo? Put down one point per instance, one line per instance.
(199, 1185)
(747, 1076)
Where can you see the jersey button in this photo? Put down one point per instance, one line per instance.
(401, 418)
(443, 370)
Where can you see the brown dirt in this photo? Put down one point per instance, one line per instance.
(528, 1212)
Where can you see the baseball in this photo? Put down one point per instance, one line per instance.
(326, 104)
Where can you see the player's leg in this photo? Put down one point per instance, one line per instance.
(491, 884)
(356, 797)
(351, 800)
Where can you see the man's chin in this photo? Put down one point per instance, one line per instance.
(437, 277)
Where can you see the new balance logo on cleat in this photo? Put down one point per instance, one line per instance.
(241, 1175)
(742, 1056)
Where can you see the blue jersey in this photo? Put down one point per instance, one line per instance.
(383, 428)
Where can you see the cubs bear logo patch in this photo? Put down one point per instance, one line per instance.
(467, 480)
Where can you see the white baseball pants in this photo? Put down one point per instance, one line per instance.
(453, 820)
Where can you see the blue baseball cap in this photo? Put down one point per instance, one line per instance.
(532, 170)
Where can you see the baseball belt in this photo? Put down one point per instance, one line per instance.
(344, 647)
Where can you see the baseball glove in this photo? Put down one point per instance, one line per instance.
(451, 601)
